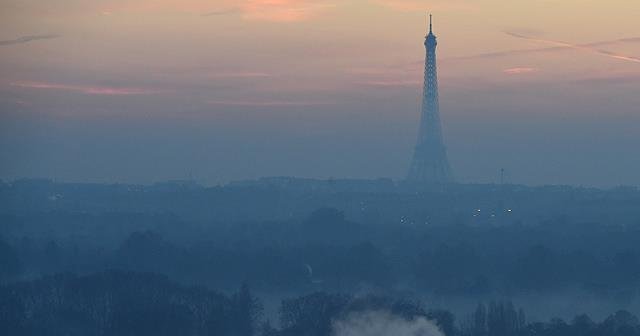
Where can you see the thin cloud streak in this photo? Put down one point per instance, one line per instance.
(27, 39)
(519, 70)
(622, 40)
(90, 90)
(275, 10)
(505, 53)
(416, 5)
(578, 47)
(284, 10)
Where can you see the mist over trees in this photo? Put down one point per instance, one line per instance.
(267, 258)
(133, 303)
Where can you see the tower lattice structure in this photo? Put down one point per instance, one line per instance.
(430, 163)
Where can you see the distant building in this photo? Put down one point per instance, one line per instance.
(430, 163)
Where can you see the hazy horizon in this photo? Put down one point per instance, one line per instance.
(147, 91)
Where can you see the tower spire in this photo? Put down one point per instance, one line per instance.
(430, 163)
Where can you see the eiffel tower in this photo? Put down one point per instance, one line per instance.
(430, 163)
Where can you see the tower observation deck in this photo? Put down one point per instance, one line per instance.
(430, 163)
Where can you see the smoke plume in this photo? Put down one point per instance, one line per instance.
(382, 323)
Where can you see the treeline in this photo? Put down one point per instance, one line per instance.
(365, 201)
(122, 303)
(326, 251)
(140, 304)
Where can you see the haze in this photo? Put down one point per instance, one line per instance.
(145, 91)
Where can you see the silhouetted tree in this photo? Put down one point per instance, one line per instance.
(622, 323)
(480, 321)
(121, 303)
(503, 319)
(311, 315)
(247, 311)
(582, 325)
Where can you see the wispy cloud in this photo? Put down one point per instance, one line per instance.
(90, 90)
(519, 70)
(276, 10)
(583, 47)
(621, 40)
(504, 53)
(417, 5)
(267, 103)
(27, 39)
(556, 48)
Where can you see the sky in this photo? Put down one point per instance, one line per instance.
(146, 91)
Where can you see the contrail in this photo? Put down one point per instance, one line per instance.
(537, 50)
(25, 39)
(583, 47)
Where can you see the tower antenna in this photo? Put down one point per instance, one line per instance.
(430, 23)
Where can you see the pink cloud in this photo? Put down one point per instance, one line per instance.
(519, 70)
(90, 90)
(283, 10)
(264, 10)
(417, 5)
(274, 10)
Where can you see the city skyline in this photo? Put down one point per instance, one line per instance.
(144, 91)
